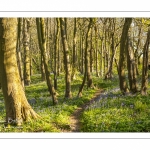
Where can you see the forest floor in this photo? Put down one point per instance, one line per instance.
(76, 116)
(100, 109)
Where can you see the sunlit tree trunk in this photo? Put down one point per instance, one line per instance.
(41, 33)
(19, 57)
(74, 63)
(122, 57)
(26, 39)
(145, 65)
(68, 93)
(16, 104)
(89, 77)
(96, 50)
(56, 53)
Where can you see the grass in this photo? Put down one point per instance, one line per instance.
(54, 118)
(113, 113)
(118, 114)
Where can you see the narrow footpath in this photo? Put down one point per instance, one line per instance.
(75, 117)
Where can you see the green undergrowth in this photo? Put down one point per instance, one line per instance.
(118, 114)
(54, 118)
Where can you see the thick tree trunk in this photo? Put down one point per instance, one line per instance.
(16, 104)
(26, 40)
(131, 67)
(68, 93)
(42, 37)
(122, 57)
(19, 58)
(145, 65)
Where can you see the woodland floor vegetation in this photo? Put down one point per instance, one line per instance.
(110, 112)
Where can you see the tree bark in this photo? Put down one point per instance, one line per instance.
(19, 57)
(145, 65)
(26, 40)
(16, 104)
(122, 57)
(56, 53)
(74, 63)
(131, 67)
(68, 93)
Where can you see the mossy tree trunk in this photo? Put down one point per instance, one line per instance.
(122, 57)
(19, 56)
(42, 41)
(88, 43)
(26, 40)
(74, 57)
(96, 50)
(68, 93)
(16, 104)
(131, 66)
(145, 65)
(56, 53)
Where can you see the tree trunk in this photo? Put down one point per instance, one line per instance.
(96, 50)
(86, 62)
(68, 93)
(42, 37)
(131, 66)
(74, 63)
(16, 104)
(145, 65)
(89, 77)
(109, 73)
(56, 53)
(19, 58)
(122, 57)
(26, 40)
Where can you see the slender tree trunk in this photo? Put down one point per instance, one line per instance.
(16, 104)
(86, 62)
(26, 40)
(89, 77)
(136, 51)
(68, 93)
(41, 33)
(101, 59)
(74, 63)
(122, 58)
(145, 65)
(56, 53)
(96, 50)
(91, 52)
(109, 73)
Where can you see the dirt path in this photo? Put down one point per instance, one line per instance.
(75, 117)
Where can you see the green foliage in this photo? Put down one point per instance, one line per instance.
(54, 118)
(119, 114)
